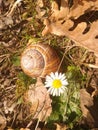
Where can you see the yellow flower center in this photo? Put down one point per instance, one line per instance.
(57, 83)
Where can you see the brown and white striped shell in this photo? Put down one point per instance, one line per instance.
(38, 60)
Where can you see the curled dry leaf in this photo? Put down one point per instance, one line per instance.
(79, 23)
(2, 122)
(40, 12)
(89, 107)
(40, 101)
(94, 84)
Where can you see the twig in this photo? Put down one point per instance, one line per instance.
(64, 55)
(37, 124)
(30, 123)
(13, 7)
(90, 65)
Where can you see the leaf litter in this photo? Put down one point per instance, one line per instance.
(75, 22)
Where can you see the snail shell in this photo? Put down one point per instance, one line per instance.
(38, 60)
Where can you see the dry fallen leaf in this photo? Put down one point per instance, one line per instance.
(89, 107)
(40, 101)
(82, 6)
(7, 18)
(10, 129)
(40, 9)
(2, 122)
(61, 127)
(80, 23)
(24, 129)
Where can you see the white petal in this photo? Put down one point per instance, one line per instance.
(56, 75)
(62, 77)
(64, 82)
(46, 86)
(54, 92)
(60, 74)
(61, 91)
(52, 75)
(48, 83)
(50, 89)
(58, 93)
(48, 78)
(63, 88)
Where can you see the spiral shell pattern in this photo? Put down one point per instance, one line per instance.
(38, 60)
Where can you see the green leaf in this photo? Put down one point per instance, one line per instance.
(16, 60)
(74, 73)
(54, 116)
(20, 100)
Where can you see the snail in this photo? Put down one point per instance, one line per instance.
(39, 60)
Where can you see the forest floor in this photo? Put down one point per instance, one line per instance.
(77, 110)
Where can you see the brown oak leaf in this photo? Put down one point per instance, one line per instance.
(39, 100)
(79, 23)
(89, 107)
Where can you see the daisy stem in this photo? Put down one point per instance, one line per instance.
(66, 106)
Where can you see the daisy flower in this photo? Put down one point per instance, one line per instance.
(56, 82)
